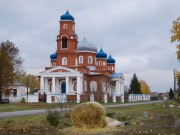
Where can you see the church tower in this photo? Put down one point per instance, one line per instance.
(67, 40)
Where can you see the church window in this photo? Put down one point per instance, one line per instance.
(75, 86)
(93, 86)
(73, 27)
(85, 85)
(100, 63)
(14, 92)
(53, 64)
(109, 68)
(64, 61)
(64, 42)
(65, 26)
(103, 86)
(90, 60)
(112, 68)
(80, 59)
(103, 63)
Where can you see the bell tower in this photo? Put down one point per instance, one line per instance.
(67, 40)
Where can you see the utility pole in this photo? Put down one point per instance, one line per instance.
(27, 88)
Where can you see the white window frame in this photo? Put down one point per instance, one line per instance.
(64, 61)
(53, 64)
(93, 86)
(81, 59)
(90, 60)
(100, 63)
(109, 68)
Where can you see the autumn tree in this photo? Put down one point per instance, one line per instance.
(145, 89)
(176, 35)
(10, 65)
(32, 80)
(135, 87)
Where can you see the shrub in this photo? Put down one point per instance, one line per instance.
(111, 114)
(89, 115)
(23, 100)
(53, 117)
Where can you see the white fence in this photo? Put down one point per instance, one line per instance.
(138, 97)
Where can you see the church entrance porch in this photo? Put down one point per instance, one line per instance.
(61, 82)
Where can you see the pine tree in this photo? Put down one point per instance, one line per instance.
(171, 94)
(135, 86)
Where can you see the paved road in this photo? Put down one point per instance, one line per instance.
(31, 112)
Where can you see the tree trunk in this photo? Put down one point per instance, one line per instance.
(0, 95)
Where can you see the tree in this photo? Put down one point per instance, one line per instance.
(10, 65)
(176, 35)
(144, 87)
(171, 94)
(177, 92)
(33, 80)
(135, 87)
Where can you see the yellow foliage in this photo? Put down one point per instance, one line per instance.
(176, 35)
(178, 75)
(89, 115)
(144, 87)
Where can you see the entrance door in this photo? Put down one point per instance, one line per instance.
(63, 87)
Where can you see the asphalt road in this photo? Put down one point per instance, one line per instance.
(42, 111)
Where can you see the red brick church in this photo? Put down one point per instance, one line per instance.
(78, 71)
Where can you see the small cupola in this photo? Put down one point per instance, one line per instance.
(67, 16)
(101, 54)
(53, 56)
(110, 60)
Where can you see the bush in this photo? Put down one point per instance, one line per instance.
(53, 117)
(23, 100)
(111, 114)
(89, 115)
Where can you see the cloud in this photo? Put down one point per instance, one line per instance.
(135, 32)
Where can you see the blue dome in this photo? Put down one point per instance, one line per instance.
(67, 16)
(101, 54)
(53, 56)
(110, 60)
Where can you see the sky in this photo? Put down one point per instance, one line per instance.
(135, 32)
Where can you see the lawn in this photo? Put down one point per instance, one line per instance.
(40, 105)
(141, 119)
(32, 106)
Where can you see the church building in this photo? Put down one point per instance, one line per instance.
(79, 71)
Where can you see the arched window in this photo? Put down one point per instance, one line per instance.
(100, 63)
(90, 61)
(54, 64)
(64, 61)
(73, 27)
(64, 43)
(65, 26)
(85, 85)
(93, 86)
(103, 86)
(103, 63)
(109, 68)
(80, 59)
(112, 68)
(75, 86)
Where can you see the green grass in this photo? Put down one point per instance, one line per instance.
(32, 106)
(133, 114)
